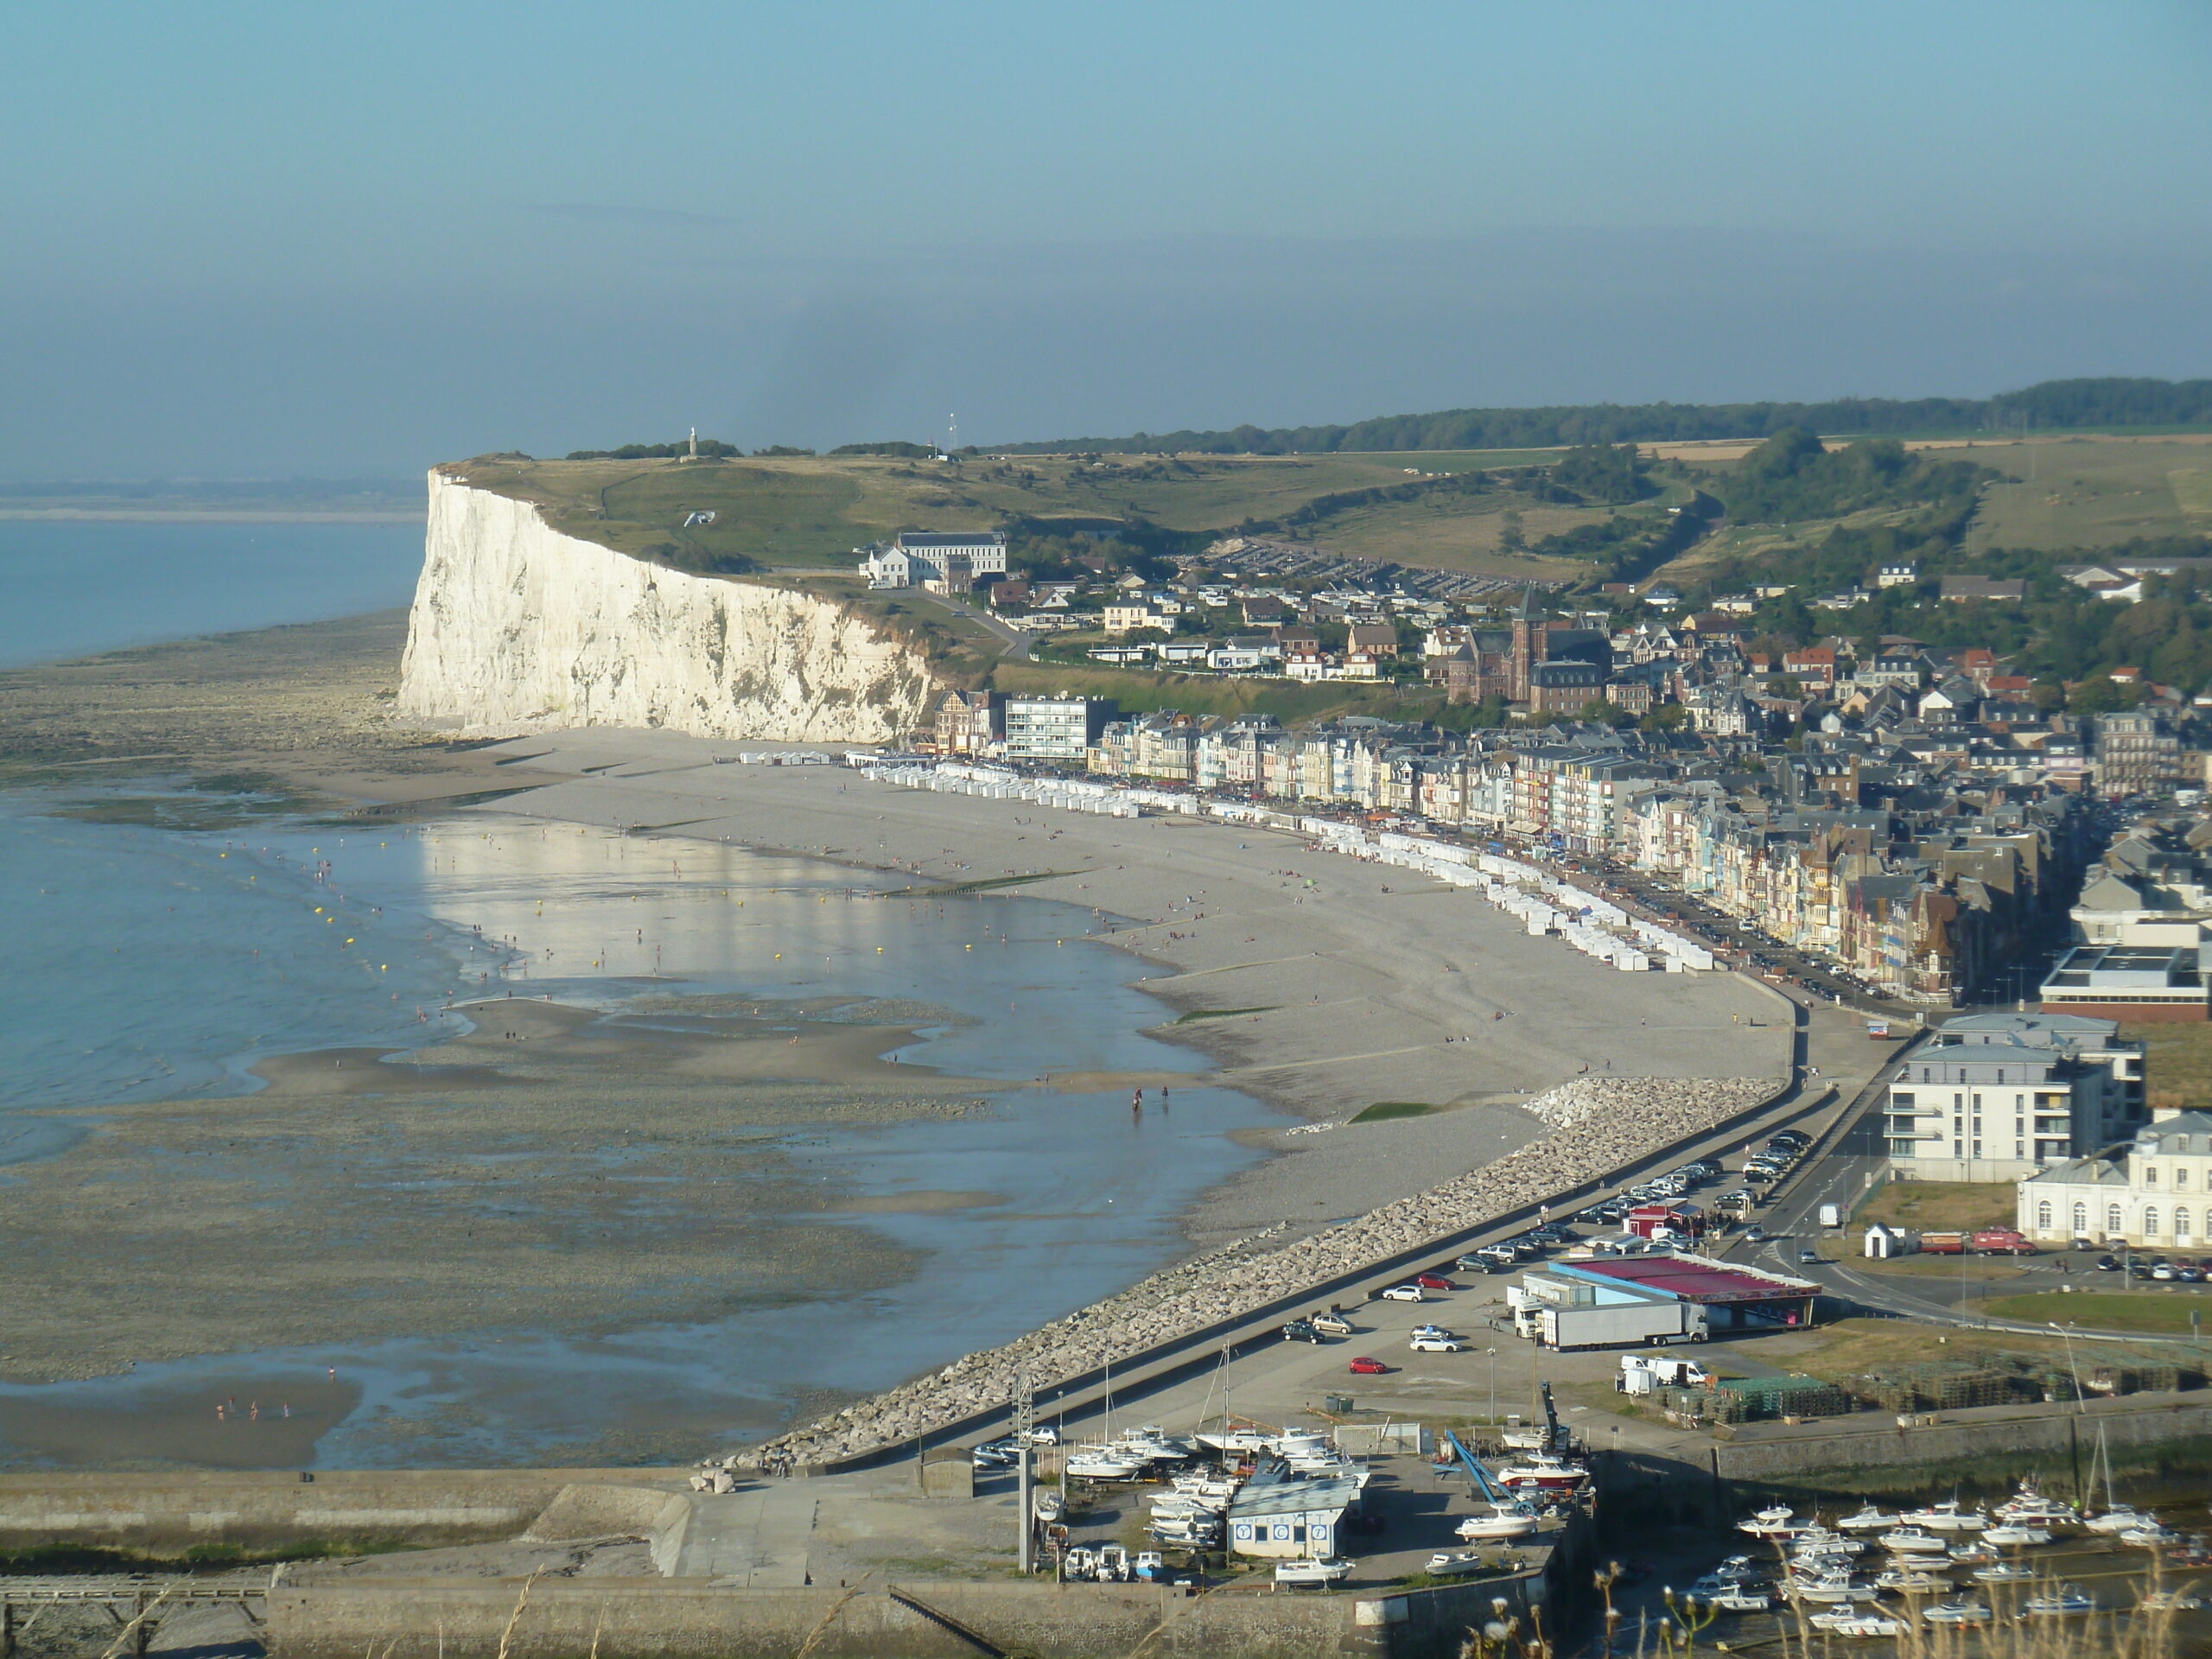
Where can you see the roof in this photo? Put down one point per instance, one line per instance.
(1692, 1280)
(2081, 1172)
(1292, 1497)
(910, 539)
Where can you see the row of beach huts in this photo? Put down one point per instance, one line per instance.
(1545, 903)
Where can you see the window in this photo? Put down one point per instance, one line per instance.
(1900, 1099)
(2112, 1220)
(2181, 1177)
(2080, 1220)
(2150, 1220)
(2181, 1224)
(2042, 1216)
(2150, 1174)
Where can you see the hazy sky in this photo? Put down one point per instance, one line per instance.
(247, 241)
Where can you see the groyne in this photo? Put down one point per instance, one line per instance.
(1600, 1125)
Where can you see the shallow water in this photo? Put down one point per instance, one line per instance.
(155, 963)
(68, 589)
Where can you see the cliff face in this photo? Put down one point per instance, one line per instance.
(517, 627)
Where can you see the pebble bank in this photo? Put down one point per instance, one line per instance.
(1599, 1125)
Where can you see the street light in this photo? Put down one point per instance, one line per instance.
(1492, 1352)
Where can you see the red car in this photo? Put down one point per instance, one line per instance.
(1365, 1367)
(1434, 1282)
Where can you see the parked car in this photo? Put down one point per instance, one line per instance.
(1404, 1294)
(2107, 1264)
(1326, 1570)
(1434, 1282)
(1329, 1325)
(1301, 1331)
(1437, 1345)
(1367, 1365)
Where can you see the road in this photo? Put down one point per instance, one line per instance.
(1017, 642)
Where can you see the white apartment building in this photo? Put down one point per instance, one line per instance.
(1999, 1097)
(1055, 729)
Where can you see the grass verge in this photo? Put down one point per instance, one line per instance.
(2152, 1312)
(1383, 1110)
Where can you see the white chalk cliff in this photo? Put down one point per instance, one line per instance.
(517, 627)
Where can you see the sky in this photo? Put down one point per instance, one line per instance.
(352, 240)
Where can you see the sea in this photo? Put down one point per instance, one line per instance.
(147, 964)
(157, 963)
(73, 587)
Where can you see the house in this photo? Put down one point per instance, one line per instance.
(1375, 639)
(1662, 598)
(970, 722)
(941, 561)
(1814, 666)
(1128, 619)
(1898, 573)
(2153, 1194)
(1959, 590)
(1565, 687)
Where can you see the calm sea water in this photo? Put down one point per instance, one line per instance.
(70, 589)
(154, 964)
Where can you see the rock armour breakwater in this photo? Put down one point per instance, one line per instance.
(516, 627)
(1599, 1125)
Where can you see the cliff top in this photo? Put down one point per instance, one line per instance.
(809, 512)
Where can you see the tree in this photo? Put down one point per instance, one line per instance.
(1667, 717)
(2102, 696)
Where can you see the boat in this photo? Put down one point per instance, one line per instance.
(2029, 1507)
(2120, 1518)
(1912, 1581)
(1833, 1586)
(1544, 1471)
(2061, 1603)
(1870, 1519)
(2011, 1536)
(1446, 1562)
(1780, 1522)
(1857, 1624)
(1911, 1541)
(1976, 1553)
(1504, 1521)
(1114, 1565)
(1048, 1503)
(1819, 1541)
(1079, 1563)
(1947, 1517)
(2152, 1536)
(2168, 1601)
(1961, 1612)
(1237, 1439)
(2004, 1572)
(1103, 1463)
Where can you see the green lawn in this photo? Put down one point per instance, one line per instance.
(2100, 1310)
(1942, 1206)
(2091, 491)
(2176, 1064)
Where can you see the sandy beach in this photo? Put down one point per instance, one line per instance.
(1333, 984)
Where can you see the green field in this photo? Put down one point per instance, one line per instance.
(811, 512)
(2092, 492)
(2176, 1064)
(2150, 1312)
(1940, 1206)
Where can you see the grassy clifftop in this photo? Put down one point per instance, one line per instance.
(809, 512)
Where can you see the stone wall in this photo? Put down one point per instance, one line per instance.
(1601, 1125)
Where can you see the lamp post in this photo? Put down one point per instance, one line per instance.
(1492, 1353)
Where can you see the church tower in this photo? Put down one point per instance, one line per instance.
(1531, 644)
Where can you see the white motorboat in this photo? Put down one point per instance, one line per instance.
(1103, 1463)
(2120, 1518)
(2153, 1536)
(1865, 1625)
(1947, 1516)
(1780, 1521)
(1080, 1564)
(1976, 1553)
(1237, 1439)
(2030, 1508)
(1961, 1612)
(1870, 1519)
(2004, 1572)
(1504, 1521)
(2064, 1602)
(1829, 1587)
(2168, 1601)
(2012, 1535)
(1048, 1503)
(1114, 1564)
(1819, 1541)
(1912, 1541)
(1912, 1581)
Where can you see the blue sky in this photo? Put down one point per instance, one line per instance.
(329, 238)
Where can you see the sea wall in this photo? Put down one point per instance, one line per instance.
(162, 1514)
(1599, 1125)
(516, 627)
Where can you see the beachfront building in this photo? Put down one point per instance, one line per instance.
(2153, 1194)
(1055, 729)
(2163, 983)
(2001, 1096)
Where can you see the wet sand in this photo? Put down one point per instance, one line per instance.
(555, 1170)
